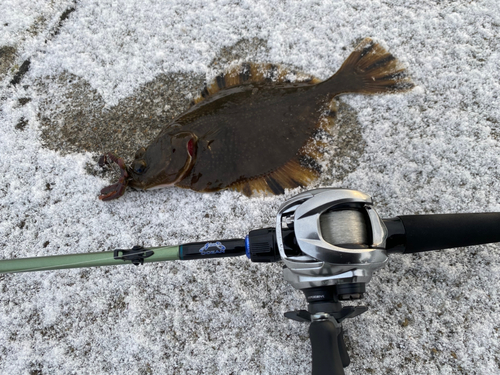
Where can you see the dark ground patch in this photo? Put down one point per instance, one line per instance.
(7, 59)
(349, 144)
(64, 16)
(7, 54)
(25, 66)
(75, 118)
(21, 124)
(253, 50)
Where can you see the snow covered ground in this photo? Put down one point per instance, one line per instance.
(106, 75)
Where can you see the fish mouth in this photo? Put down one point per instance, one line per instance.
(129, 178)
(117, 189)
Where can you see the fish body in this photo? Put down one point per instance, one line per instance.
(244, 133)
(253, 130)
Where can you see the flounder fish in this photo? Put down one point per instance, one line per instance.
(252, 130)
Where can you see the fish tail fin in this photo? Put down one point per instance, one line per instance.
(370, 69)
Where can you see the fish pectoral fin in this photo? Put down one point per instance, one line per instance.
(291, 175)
(370, 69)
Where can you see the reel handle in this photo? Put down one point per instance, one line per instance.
(329, 353)
(436, 232)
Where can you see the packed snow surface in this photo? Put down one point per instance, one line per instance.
(434, 149)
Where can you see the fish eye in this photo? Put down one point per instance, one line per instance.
(139, 166)
(139, 153)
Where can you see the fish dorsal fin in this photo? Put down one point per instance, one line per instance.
(247, 72)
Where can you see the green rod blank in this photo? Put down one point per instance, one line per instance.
(105, 258)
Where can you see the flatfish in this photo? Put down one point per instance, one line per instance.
(253, 128)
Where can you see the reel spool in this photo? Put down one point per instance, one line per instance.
(344, 228)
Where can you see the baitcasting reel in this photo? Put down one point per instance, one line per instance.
(330, 241)
(342, 242)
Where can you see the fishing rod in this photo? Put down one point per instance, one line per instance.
(330, 242)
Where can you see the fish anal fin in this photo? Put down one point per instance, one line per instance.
(291, 175)
(315, 149)
(326, 122)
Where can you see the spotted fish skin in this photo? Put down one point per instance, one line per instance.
(252, 130)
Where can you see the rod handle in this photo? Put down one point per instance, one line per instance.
(329, 354)
(436, 232)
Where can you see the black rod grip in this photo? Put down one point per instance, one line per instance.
(326, 358)
(435, 232)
